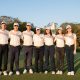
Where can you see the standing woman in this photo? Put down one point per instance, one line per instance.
(70, 48)
(59, 39)
(28, 48)
(49, 51)
(3, 47)
(14, 49)
(38, 40)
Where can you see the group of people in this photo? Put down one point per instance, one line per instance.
(43, 46)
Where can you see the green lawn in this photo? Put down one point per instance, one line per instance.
(49, 76)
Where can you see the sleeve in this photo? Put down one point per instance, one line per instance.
(75, 36)
(55, 38)
(33, 37)
(9, 34)
(22, 36)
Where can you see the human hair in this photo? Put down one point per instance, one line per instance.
(46, 33)
(58, 32)
(67, 31)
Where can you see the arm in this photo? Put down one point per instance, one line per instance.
(75, 44)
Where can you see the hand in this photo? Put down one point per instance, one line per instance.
(74, 52)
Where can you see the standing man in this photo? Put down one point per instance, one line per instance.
(3, 47)
(14, 49)
(28, 48)
(38, 40)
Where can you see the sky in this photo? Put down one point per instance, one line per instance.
(41, 12)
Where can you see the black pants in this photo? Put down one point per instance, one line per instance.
(14, 53)
(38, 54)
(4, 56)
(49, 52)
(70, 57)
(28, 53)
(60, 58)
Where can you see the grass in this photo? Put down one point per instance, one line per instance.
(49, 76)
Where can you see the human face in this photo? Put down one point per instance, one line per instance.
(28, 27)
(60, 31)
(48, 31)
(3, 26)
(38, 31)
(15, 27)
(69, 30)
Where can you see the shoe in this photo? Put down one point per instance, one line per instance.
(0, 72)
(46, 72)
(5, 73)
(60, 72)
(69, 73)
(10, 73)
(72, 72)
(53, 72)
(25, 71)
(57, 72)
(17, 73)
(31, 71)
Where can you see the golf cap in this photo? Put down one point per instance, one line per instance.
(60, 28)
(3, 22)
(37, 28)
(68, 26)
(16, 24)
(28, 24)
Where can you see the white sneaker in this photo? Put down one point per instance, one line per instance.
(10, 73)
(31, 71)
(25, 71)
(46, 72)
(53, 72)
(57, 72)
(69, 73)
(72, 72)
(5, 73)
(0, 72)
(60, 72)
(17, 73)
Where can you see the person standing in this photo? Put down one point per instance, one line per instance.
(49, 51)
(38, 40)
(14, 49)
(59, 39)
(28, 48)
(70, 48)
(4, 36)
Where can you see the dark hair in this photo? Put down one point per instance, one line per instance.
(46, 33)
(58, 32)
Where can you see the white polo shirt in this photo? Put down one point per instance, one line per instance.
(69, 39)
(15, 37)
(59, 41)
(4, 36)
(48, 40)
(38, 40)
(27, 37)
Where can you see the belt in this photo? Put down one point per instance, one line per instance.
(69, 45)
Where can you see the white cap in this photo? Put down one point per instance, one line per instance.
(68, 26)
(59, 28)
(47, 28)
(28, 24)
(37, 28)
(3, 22)
(16, 24)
